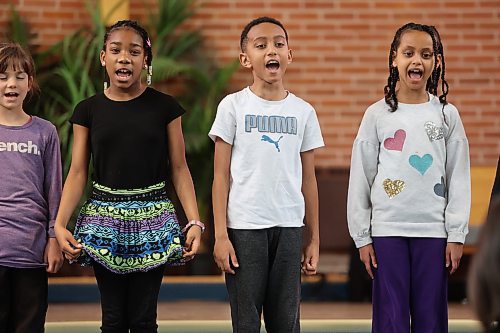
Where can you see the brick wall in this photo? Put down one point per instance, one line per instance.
(340, 50)
(50, 20)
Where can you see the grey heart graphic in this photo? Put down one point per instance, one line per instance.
(440, 188)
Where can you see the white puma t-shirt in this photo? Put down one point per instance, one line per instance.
(266, 169)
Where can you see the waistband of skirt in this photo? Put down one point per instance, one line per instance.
(150, 193)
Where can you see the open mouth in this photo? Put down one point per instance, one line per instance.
(273, 65)
(415, 74)
(11, 94)
(123, 73)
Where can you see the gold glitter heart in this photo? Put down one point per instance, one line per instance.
(393, 188)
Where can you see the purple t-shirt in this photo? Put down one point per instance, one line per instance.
(30, 191)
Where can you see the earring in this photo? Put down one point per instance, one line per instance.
(103, 63)
(105, 85)
(150, 75)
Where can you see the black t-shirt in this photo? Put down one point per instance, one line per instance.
(128, 139)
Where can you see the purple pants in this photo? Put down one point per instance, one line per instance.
(410, 282)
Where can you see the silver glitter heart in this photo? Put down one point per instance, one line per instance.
(433, 131)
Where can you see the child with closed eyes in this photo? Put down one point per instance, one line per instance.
(30, 190)
(409, 188)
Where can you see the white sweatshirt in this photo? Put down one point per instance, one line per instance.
(410, 174)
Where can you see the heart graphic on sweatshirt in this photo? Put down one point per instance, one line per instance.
(433, 131)
(440, 188)
(397, 142)
(393, 188)
(421, 163)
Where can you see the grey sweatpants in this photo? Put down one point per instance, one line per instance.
(268, 279)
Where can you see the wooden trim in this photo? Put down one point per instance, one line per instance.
(114, 10)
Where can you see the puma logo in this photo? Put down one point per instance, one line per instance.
(268, 139)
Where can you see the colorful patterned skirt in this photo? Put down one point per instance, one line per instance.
(129, 230)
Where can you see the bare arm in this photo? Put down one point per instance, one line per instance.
(183, 183)
(223, 248)
(310, 255)
(73, 190)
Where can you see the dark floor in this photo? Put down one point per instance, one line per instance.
(215, 310)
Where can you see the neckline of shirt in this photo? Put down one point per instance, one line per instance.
(23, 126)
(266, 101)
(418, 105)
(128, 100)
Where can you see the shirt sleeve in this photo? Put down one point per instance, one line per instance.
(364, 161)
(81, 114)
(312, 133)
(224, 125)
(53, 178)
(457, 210)
(175, 110)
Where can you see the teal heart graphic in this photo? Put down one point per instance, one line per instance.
(421, 163)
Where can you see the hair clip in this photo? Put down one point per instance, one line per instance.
(148, 42)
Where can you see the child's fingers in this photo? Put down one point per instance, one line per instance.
(188, 244)
(455, 262)
(70, 245)
(229, 262)
(54, 262)
(71, 252)
(192, 246)
(189, 240)
(234, 260)
(452, 268)
(369, 269)
(374, 259)
(58, 265)
(50, 267)
(222, 262)
(226, 266)
(72, 256)
(310, 267)
(448, 259)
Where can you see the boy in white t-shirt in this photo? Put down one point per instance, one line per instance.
(264, 186)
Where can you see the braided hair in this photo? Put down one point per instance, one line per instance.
(440, 70)
(437, 72)
(146, 44)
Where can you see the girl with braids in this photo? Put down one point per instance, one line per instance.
(128, 230)
(409, 188)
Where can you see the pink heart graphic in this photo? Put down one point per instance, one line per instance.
(397, 142)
